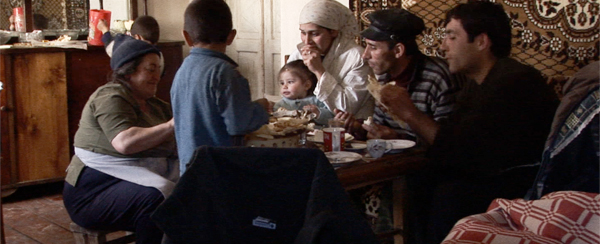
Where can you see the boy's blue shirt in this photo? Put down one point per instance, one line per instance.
(211, 103)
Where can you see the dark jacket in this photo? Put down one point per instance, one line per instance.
(497, 125)
(261, 195)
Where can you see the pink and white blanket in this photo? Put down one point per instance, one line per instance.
(559, 217)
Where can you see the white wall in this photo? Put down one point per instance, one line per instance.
(290, 14)
(169, 15)
(119, 9)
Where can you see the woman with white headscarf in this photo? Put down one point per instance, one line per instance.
(328, 30)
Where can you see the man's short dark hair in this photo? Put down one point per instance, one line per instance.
(410, 46)
(208, 21)
(147, 27)
(479, 17)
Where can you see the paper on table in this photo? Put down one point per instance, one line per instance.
(58, 44)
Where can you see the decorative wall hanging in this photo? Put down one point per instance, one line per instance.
(555, 36)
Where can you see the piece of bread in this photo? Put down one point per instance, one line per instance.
(374, 88)
(368, 121)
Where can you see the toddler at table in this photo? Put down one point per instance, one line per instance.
(297, 86)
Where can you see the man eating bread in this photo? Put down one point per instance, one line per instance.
(394, 56)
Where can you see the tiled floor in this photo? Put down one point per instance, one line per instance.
(36, 214)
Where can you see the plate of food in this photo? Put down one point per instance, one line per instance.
(342, 157)
(318, 136)
(400, 145)
(356, 146)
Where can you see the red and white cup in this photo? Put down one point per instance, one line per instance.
(334, 139)
(19, 19)
(95, 35)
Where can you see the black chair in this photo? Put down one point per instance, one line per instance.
(261, 195)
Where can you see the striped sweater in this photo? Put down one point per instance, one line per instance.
(432, 89)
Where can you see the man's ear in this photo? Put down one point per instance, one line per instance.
(483, 42)
(399, 49)
(137, 36)
(231, 36)
(188, 39)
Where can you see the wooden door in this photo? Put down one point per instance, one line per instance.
(272, 53)
(256, 47)
(41, 118)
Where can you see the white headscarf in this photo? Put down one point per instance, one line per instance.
(332, 15)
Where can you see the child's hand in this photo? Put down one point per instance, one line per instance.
(313, 109)
(102, 26)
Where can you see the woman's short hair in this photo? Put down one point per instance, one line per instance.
(208, 21)
(479, 17)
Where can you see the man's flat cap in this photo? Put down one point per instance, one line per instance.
(393, 25)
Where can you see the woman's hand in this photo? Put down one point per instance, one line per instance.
(375, 131)
(351, 124)
(312, 59)
(348, 118)
(313, 109)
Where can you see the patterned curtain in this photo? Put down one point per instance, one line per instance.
(555, 36)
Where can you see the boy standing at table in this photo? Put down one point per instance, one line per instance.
(210, 98)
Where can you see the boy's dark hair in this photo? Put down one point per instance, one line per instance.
(298, 68)
(40, 22)
(479, 17)
(208, 21)
(147, 27)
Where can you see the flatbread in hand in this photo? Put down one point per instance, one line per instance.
(374, 88)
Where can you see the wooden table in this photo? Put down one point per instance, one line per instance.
(386, 168)
(390, 167)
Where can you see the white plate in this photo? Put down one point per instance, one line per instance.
(399, 145)
(358, 145)
(342, 157)
(318, 137)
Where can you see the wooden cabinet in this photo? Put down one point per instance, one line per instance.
(45, 90)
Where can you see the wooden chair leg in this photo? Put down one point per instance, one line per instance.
(86, 236)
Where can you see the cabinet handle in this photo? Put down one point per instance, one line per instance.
(4, 109)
